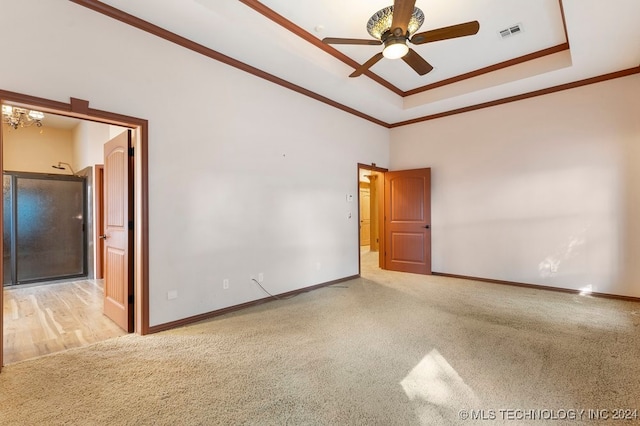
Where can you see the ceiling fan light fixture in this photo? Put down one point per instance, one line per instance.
(395, 49)
(381, 21)
(396, 34)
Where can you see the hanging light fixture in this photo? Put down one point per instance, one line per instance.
(395, 45)
(21, 117)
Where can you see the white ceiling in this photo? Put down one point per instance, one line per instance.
(60, 121)
(604, 37)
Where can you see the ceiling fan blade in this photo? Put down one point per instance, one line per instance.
(445, 33)
(402, 11)
(416, 62)
(364, 67)
(333, 40)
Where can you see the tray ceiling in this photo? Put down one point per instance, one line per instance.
(561, 42)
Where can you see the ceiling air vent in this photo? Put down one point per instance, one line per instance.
(512, 30)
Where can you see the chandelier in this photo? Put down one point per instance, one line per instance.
(21, 117)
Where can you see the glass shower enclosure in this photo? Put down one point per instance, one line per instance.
(44, 227)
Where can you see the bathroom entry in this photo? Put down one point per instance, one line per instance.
(43, 227)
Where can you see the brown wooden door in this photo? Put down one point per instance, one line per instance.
(407, 221)
(365, 216)
(117, 219)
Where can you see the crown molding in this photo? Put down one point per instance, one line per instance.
(148, 27)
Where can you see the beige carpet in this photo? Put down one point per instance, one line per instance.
(393, 349)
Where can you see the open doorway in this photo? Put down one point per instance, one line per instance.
(87, 284)
(395, 220)
(370, 208)
(51, 211)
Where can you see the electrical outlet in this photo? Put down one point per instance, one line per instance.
(260, 277)
(225, 284)
(172, 294)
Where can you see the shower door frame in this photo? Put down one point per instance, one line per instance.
(14, 228)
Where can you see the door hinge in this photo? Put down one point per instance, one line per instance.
(130, 151)
(131, 300)
(130, 225)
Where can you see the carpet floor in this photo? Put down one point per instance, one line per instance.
(385, 349)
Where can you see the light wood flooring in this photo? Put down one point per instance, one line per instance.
(43, 319)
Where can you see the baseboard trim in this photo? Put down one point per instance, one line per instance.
(212, 314)
(537, 286)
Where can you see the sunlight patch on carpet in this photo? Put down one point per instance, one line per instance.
(434, 381)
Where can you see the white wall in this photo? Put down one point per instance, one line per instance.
(256, 181)
(36, 149)
(88, 140)
(543, 191)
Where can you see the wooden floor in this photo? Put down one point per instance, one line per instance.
(43, 319)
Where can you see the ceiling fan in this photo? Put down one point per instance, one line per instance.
(396, 25)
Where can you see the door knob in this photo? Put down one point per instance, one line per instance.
(426, 227)
(103, 236)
